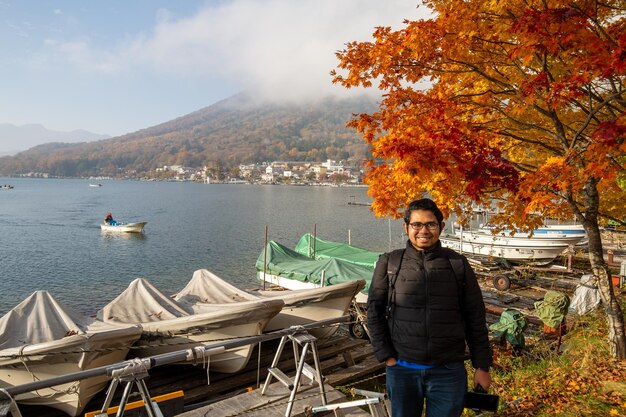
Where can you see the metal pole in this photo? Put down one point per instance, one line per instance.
(314, 238)
(308, 245)
(170, 357)
(265, 257)
(349, 238)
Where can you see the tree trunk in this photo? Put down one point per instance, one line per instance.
(614, 315)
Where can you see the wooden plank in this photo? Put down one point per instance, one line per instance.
(360, 370)
(272, 404)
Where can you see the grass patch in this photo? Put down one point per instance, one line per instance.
(580, 379)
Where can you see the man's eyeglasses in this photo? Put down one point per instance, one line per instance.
(417, 226)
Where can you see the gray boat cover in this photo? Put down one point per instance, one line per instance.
(144, 304)
(41, 320)
(206, 287)
(586, 297)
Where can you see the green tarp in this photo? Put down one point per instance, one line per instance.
(314, 247)
(511, 326)
(553, 309)
(287, 263)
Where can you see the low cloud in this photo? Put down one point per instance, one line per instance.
(281, 49)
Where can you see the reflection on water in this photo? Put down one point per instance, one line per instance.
(116, 235)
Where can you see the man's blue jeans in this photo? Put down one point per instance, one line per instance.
(443, 387)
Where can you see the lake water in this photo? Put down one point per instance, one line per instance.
(50, 237)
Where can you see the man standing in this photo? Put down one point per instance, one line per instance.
(424, 307)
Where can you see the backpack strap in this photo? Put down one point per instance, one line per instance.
(393, 268)
(458, 268)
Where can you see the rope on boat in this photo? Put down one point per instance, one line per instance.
(72, 389)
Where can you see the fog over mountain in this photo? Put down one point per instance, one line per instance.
(239, 129)
(14, 139)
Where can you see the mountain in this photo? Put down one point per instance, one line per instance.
(233, 131)
(19, 138)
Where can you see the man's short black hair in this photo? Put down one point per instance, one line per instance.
(423, 204)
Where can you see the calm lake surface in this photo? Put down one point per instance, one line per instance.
(50, 237)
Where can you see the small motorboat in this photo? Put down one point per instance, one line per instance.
(301, 306)
(123, 227)
(169, 326)
(42, 339)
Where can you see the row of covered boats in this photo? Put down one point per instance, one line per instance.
(40, 338)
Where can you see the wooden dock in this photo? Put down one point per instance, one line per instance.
(343, 360)
(273, 403)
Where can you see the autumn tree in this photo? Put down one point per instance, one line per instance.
(519, 101)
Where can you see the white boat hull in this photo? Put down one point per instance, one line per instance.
(537, 253)
(71, 398)
(520, 239)
(124, 228)
(41, 339)
(307, 303)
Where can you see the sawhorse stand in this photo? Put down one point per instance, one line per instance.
(133, 374)
(8, 405)
(306, 341)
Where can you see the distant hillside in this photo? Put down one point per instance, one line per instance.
(14, 139)
(232, 131)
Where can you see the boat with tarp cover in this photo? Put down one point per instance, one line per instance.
(41, 339)
(300, 306)
(289, 269)
(314, 247)
(170, 326)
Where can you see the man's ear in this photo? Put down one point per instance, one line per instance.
(406, 229)
(441, 226)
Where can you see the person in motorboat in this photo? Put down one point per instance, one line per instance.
(424, 308)
(109, 220)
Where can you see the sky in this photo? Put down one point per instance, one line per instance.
(117, 66)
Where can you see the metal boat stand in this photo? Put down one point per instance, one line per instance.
(306, 341)
(133, 374)
(8, 405)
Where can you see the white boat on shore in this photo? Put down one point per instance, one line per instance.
(521, 247)
(41, 339)
(169, 326)
(281, 266)
(300, 307)
(123, 227)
